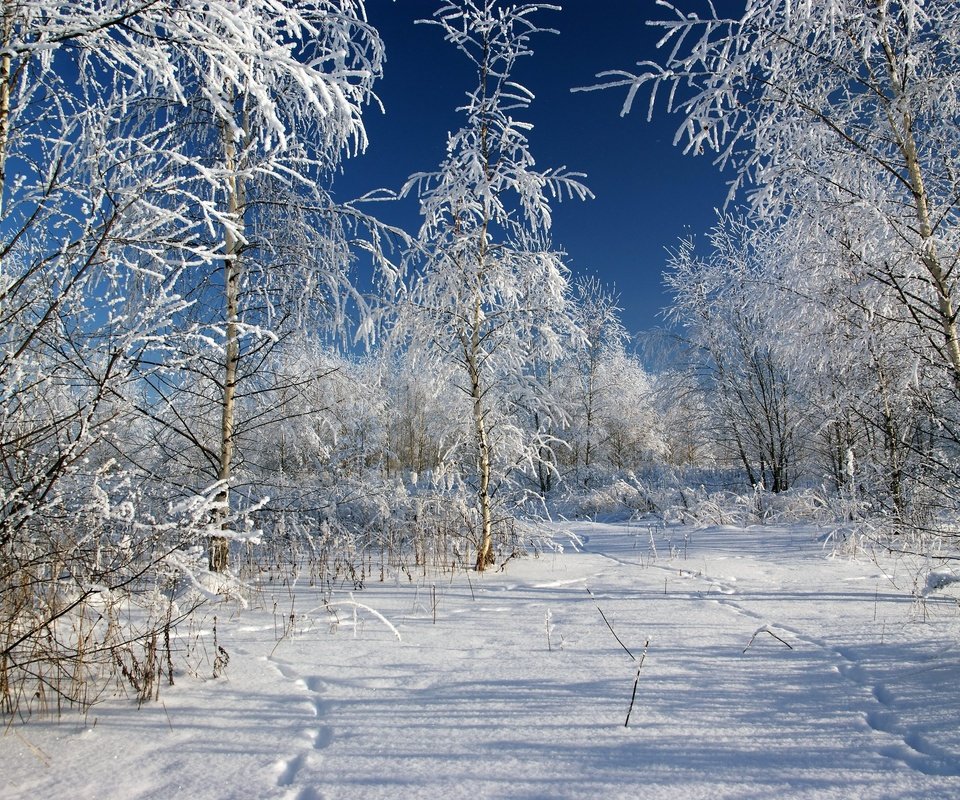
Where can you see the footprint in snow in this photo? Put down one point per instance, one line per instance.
(912, 749)
(288, 769)
(316, 736)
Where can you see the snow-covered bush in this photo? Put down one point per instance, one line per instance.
(620, 497)
(88, 592)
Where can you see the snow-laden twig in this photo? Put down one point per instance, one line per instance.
(355, 605)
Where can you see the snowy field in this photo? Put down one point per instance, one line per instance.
(773, 670)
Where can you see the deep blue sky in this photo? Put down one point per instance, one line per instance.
(648, 194)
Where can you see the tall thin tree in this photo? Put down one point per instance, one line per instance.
(489, 287)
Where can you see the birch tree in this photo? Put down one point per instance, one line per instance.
(271, 95)
(828, 105)
(489, 288)
(138, 140)
(597, 313)
(285, 89)
(737, 352)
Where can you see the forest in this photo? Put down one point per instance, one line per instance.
(213, 368)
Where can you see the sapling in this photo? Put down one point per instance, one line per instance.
(489, 299)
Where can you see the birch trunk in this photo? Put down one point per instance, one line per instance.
(5, 74)
(903, 131)
(219, 550)
(484, 461)
(485, 549)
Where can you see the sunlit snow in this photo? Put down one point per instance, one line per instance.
(772, 671)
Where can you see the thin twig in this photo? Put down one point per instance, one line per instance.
(42, 756)
(636, 681)
(625, 648)
(767, 630)
(643, 655)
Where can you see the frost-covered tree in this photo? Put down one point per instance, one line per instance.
(597, 314)
(853, 354)
(684, 415)
(801, 362)
(138, 142)
(94, 237)
(264, 99)
(837, 122)
(836, 105)
(631, 430)
(758, 413)
(281, 92)
(489, 291)
(419, 427)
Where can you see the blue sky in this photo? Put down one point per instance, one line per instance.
(648, 194)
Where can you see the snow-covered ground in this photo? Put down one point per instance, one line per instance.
(773, 670)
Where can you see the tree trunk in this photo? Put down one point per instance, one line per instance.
(544, 462)
(940, 278)
(891, 441)
(930, 258)
(5, 72)
(219, 550)
(484, 465)
(485, 549)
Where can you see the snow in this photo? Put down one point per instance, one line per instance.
(940, 578)
(473, 701)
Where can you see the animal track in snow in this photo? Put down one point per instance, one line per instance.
(288, 769)
(316, 736)
(912, 748)
(881, 714)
